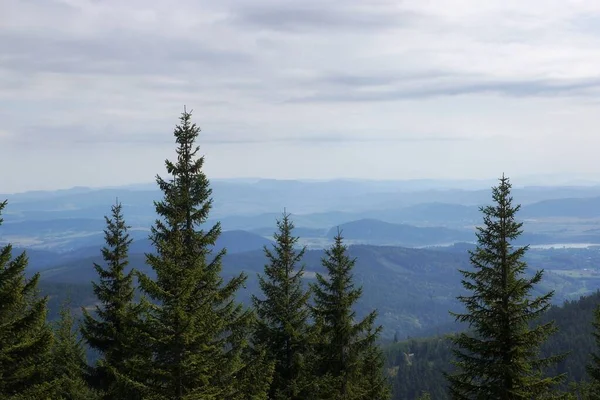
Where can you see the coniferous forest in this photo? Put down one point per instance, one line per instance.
(179, 332)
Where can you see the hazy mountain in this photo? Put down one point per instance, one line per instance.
(570, 207)
(302, 232)
(375, 231)
(234, 241)
(270, 197)
(66, 220)
(58, 226)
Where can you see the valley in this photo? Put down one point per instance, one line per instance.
(407, 257)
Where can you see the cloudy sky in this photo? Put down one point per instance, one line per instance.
(90, 90)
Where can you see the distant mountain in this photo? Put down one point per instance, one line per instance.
(70, 219)
(431, 214)
(320, 203)
(302, 232)
(236, 241)
(61, 225)
(38, 259)
(233, 241)
(439, 212)
(571, 207)
(375, 231)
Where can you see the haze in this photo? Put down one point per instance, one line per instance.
(90, 90)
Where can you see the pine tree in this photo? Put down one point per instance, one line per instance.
(69, 365)
(593, 368)
(343, 342)
(114, 331)
(25, 338)
(500, 359)
(200, 334)
(283, 315)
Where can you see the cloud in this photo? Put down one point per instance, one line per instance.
(118, 53)
(525, 88)
(85, 135)
(320, 138)
(295, 17)
(374, 76)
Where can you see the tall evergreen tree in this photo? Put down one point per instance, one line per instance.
(25, 338)
(114, 331)
(500, 358)
(200, 334)
(343, 342)
(69, 366)
(283, 313)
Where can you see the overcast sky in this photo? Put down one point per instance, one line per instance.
(90, 90)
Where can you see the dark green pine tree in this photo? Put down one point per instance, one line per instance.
(593, 368)
(343, 342)
(114, 331)
(199, 333)
(283, 313)
(69, 366)
(25, 338)
(499, 358)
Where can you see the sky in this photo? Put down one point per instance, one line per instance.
(90, 90)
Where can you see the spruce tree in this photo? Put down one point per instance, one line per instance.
(499, 358)
(25, 338)
(283, 313)
(114, 329)
(199, 333)
(343, 341)
(69, 365)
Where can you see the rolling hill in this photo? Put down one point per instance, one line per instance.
(570, 207)
(375, 231)
(411, 288)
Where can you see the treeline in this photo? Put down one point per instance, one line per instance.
(186, 336)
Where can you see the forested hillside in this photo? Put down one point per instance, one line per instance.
(416, 365)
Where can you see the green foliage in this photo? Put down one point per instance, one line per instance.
(500, 359)
(430, 357)
(282, 326)
(593, 368)
(374, 384)
(68, 364)
(343, 342)
(25, 338)
(415, 366)
(114, 332)
(199, 334)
